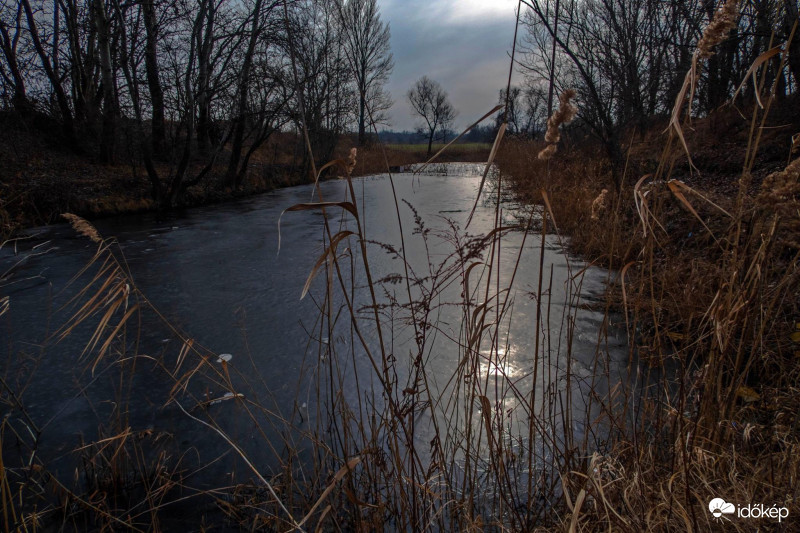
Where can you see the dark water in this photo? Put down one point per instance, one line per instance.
(216, 274)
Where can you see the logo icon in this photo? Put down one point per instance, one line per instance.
(719, 507)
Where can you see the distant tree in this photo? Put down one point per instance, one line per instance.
(535, 100)
(445, 133)
(480, 134)
(430, 102)
(366, 44)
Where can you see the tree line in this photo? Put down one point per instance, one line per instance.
(181, 87)
(168, 83)
(627, 58)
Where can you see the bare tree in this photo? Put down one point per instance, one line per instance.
(430, 102)
(514, 112)
(157, 126)
(52, 75)
(790, 17)
(527, 110)
(611, 51)
(108, 137)
(206, 39)
(535, 117)
(366, 43)
(260, 98)
(8, 43)
(323, 77)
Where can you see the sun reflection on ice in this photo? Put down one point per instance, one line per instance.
(499, 363)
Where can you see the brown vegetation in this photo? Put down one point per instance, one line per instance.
(708, 285)
(43, 178)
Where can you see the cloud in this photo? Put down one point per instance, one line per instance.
(449, 11)
(462, 44)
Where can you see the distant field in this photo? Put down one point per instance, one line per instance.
(469, 147)
(373, 160)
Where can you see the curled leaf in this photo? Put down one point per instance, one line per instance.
(327, 253)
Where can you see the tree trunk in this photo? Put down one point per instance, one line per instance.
(61, 97)
(176, 186)
(81, 63)
(205, 41)
(764, 32)
(362, 107)
(233, 177)
(790, 19)
(107, 140)
(128, 67)
(362, 130)
(153, 82)
(553, 62)
(430, 142)
(250, 151)
(9, 47)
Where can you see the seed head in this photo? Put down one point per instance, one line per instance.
(351, 161)
(718, 29)
(83, 227)
(599, 204)
(564, 114)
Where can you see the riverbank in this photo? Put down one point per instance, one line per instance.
(708, 278)
(579, 172)
(44, 178)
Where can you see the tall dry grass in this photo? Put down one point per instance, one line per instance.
(708, 284)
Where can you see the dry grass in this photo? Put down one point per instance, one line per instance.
(708, 284)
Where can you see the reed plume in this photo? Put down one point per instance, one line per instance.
(719, 28)
(782, 185)
(351, 161)
(780, 195)
(83, 226)
(599, 204)
(564, 115)
(547, 152)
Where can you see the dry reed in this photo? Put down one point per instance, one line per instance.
(707, 291)
(725, 18)
(83, 227)
(565, 113)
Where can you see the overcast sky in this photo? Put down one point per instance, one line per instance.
(462, 44)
